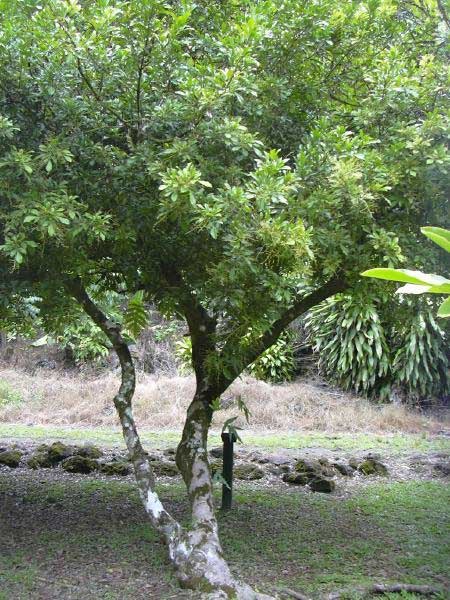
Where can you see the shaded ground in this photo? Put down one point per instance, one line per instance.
(79, 537)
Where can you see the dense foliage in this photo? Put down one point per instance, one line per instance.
(234, 163)
(131, 127)
(380, 347)
(98, 169)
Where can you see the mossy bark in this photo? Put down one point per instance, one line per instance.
(195, 553)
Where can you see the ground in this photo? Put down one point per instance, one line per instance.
(79, 536)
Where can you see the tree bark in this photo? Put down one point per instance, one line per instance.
(207, 562)
(160, 518)
(206, 567)
(196, 553)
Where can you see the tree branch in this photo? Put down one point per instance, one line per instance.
(202, 327)
(267, 339)
(140, 74)
(382, 589)
(160, 518)
(85, 77)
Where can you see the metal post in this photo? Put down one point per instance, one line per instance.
(227, 473)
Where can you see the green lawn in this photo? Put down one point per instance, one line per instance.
(89, 539)
(394, 443)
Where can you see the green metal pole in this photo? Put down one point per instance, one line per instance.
(227, 473)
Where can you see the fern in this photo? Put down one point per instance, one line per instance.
(136, 317)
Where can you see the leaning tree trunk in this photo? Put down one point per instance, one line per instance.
(206, 567)
(196, 554)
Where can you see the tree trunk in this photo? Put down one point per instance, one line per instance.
(195, 553)
(205, 568)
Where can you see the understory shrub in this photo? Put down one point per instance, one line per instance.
(380, 347)
(420, 364)
(277, 364)
(8, 395)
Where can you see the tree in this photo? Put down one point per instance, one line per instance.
(137, 157)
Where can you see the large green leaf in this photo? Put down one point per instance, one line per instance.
(406, 276)
(444, 309)
(438, 236)
(413, 288)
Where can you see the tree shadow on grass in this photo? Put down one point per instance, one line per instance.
(76, 537)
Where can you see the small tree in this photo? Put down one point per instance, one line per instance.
(137, 158)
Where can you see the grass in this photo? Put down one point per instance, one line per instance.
(99, 545)
(394, 443)
(160, 403)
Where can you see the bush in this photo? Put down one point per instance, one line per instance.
(8, 395)
(376, 347)
(420, 364)
(350, 340)
(277, 364)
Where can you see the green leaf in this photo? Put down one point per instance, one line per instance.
(136, 318)
(218, 478)
(405, 276)
(215, 404)
(413, 288)
(438, 236)
(444, 309)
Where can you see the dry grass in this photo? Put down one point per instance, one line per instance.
(59, 398)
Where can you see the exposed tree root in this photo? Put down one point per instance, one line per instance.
(424, 590)
(380, 589)
(294, 594)
(243, 592)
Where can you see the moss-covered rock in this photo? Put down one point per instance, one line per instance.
(443, 467)
(372, 466)
(320, 467)
(216, 452)
(216, 466)
(327, 467)
(295, 478)
(306, 465)
(79, 464)
(164, 469)
(119, 468)
(88, 451)
(57, 452)
(354, 462)
(39, 460)
(320, 484)
(248, 472)
(11, 458)
(344, 469)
